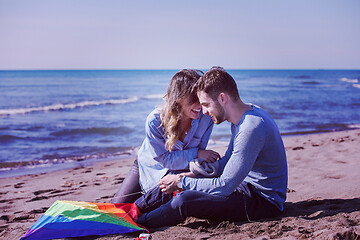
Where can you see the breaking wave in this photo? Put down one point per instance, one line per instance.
(154, 96)
(57, 107)
(355, 80)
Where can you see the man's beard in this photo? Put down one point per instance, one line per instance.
(220, 114)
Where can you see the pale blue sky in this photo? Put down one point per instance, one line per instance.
(253, 34)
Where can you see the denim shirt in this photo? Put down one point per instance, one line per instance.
(255, 155)
(155, 161)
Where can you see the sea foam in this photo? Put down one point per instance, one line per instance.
(60, 106)
(349, 80)
(153, 96)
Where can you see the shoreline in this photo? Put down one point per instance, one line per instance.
(343, 127)
(17, 169)
(323, 198)
(49, 167)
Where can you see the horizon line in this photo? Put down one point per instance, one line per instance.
(169, 69)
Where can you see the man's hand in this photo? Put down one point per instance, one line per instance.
(208, 155)
(168, 183)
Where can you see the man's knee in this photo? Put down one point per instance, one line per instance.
(181, 199)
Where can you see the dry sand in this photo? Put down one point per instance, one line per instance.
(323, 196)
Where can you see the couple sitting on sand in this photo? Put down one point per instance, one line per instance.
(248, 183)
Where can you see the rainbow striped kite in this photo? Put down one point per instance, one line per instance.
(75, 219)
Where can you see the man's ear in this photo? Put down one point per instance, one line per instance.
(223, 98)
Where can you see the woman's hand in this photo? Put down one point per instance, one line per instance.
(168, 183)
(208, 155)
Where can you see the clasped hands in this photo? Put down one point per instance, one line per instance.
(168, 184)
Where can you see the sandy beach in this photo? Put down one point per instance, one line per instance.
(323, 199)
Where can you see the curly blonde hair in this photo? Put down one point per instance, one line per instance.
(180, 86)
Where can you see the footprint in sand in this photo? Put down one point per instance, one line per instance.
(347, 235)
(332, 177)
(298, 148)
(19, 185)
(41, 210)
(109, 165)
(305, 232)
(69, 183)
(6, 218)
(43, 191)
(57, 191)
(104, 197)
(37, 198)
(118, 180)
(10, 201)
(3, 227)
(22, 218)
(342, 162)
(288, 190)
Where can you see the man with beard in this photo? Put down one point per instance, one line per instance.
(253, 173)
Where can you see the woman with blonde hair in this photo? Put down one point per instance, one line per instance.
(175, 134)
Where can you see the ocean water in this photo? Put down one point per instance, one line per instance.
(55, 119)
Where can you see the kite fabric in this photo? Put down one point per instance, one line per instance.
(76, 219)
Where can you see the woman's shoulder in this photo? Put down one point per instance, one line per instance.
(153, 119)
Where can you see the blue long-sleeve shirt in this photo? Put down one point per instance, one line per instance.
(154, 160)
(255, 155)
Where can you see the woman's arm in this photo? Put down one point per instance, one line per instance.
(207, 155)
(206, 136)
(176, 159)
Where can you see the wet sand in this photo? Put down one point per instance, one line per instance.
(323, 199)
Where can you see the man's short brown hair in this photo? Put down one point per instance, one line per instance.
(215, 81)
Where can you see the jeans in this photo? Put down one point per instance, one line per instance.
(243, 204)
(152, 200)
(155, 197)
(129, 189)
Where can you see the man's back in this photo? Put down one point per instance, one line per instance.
(269, 172)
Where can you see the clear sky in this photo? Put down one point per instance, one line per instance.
(144, 34)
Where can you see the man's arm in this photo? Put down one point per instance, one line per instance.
(247, 145)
